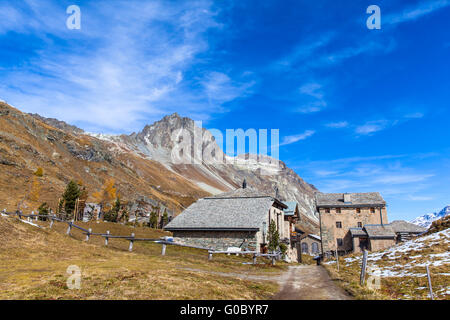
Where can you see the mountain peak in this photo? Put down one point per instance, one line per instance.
(427, 219)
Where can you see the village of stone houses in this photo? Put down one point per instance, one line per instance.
(237, 150)
(252, 236)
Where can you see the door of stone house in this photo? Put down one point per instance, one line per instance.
(299, 252)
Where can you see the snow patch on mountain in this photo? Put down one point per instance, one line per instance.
(427, 219)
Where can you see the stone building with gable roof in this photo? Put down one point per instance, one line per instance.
(343, 217)
(352, 222)
(239, 218)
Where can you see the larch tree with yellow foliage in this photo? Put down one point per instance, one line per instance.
(106, 195)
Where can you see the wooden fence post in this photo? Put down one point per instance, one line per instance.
(131, 243)
(88, 235)
(429, 283)
(163, 250)
(273, 260)
(106, 238)
(337, 260)
(69, 228)
(254, 258)
(210, 256)
(51, 222)
(363, 268)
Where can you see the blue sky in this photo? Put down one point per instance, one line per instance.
(358, 110)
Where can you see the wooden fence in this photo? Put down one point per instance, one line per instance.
(132, 238)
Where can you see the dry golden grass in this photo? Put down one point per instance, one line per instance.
(33, 264)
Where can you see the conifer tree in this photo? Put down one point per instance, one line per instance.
(274, 237)
(165, 217)
(113, 214)
(70, 196)
(153, 222)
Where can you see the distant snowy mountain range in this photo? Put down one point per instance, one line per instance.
(427, 219)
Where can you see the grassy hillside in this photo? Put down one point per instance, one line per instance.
(27, 144)
(402, 269)
(34, 261)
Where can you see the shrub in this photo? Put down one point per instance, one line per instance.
(43, 211)
(39, 172)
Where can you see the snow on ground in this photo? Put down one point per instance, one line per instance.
(393, 268)
(30, 223)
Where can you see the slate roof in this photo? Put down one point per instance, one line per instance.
(379, 231)
(290, 210)
(242, 209)
(406, 227)
(357, 199)
(357, 232)
(240, 193)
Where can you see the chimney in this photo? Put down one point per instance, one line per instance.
(347, 198)
(244, 184)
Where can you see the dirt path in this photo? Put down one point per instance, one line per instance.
(302, 282)
(307, 282)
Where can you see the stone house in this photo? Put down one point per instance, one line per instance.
(372, 237)
(291, 215)
(239, 218)
(404, 230)
(311, 244)
(364, 213)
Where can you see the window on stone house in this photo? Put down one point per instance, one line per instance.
(314, 248)
(327, 210)
(305, 247)
(359, 224)
(340, 241)
(338, 224)
(372, 210)
(338, 210)
(358, 210)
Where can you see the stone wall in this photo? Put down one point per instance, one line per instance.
(217, 240)
(380, 244)
(349, 219)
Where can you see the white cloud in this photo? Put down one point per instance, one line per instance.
(312, 89)
(393, 178)
(338, 125)
(127, 64)
(314, 98)
(413, 13)
(292, 139)
(416, 115)
(303, 51)
(419, 198)
(372, 127)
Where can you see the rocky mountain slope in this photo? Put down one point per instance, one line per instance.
(27, 144)
(141, 163)
(209, 168)
(427, 219)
